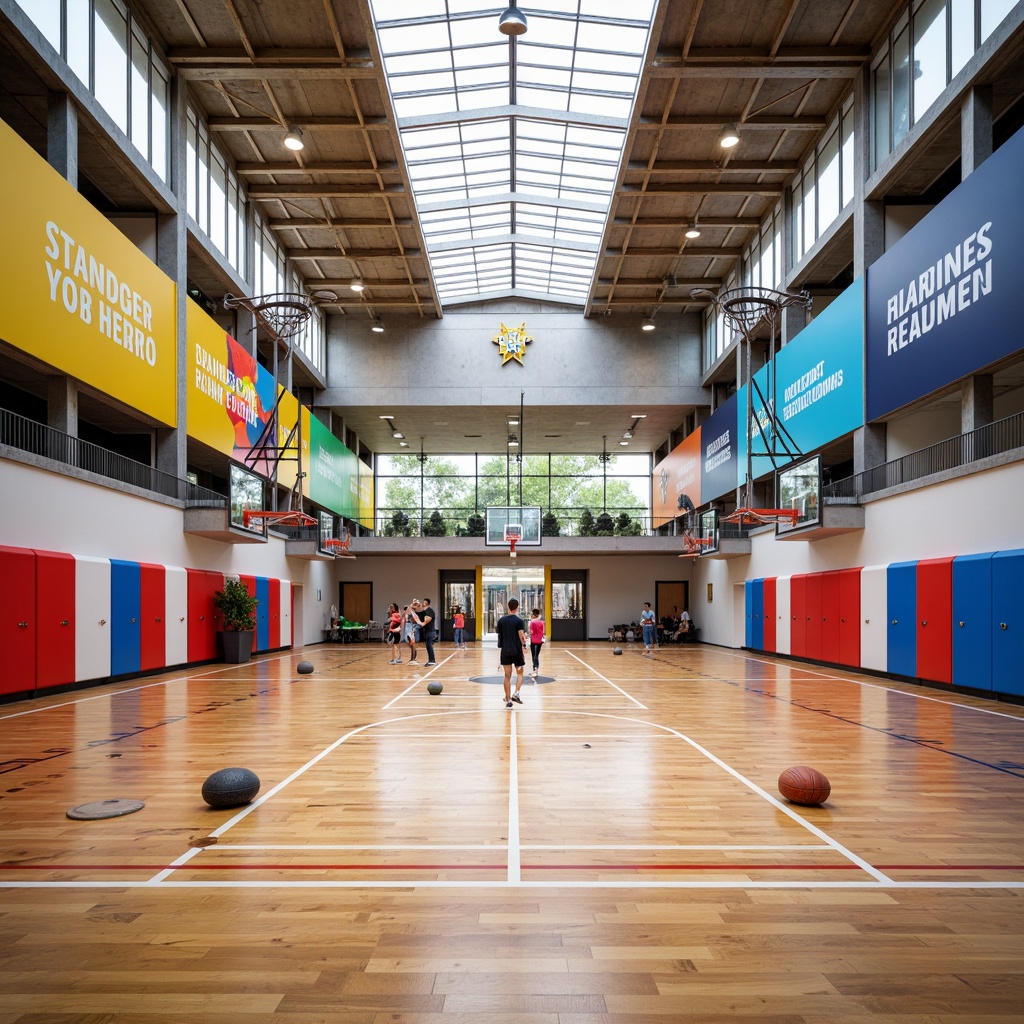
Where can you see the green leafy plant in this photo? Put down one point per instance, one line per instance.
(400, 524)
(587, 523)
(475, 525)
(236, 606)
(604, 525)
(550, 526)
(626, 525)
(435, 526)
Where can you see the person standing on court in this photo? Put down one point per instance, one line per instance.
(427, 617)
(512, 643)
(649, 625)
(394, 636)
(459, 627)
(536, 626)
(410, 628)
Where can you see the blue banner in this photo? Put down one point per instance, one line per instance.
(719, 468)
(818, 386)
(941, 302)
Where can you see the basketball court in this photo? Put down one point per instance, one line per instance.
(615, 844)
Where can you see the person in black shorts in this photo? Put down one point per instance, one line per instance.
(512, 642)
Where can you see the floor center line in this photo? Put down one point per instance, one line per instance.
(514, 858)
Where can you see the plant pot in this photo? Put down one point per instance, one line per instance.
(236, 645)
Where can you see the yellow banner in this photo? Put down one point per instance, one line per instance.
(76, 293)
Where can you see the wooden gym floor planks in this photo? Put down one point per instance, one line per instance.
(613, 852)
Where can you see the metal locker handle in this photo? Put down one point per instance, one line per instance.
(158, 619)
(1002, 625)
(133, 620)
(894, 621)
(103, 622)
(961, 625)
(22, 625)
(924, 622)
(64, 622)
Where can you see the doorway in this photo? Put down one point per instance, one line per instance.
(458, 589)
(501, 584)
(356, 601)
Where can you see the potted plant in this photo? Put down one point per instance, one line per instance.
(237, 608)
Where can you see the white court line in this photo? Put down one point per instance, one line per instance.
(881, 684)
(416, 682)
(493, 847)
(515, 875)
(738, 885)
(608, 681)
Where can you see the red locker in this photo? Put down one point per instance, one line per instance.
(55, 618)
(798, 616)
(830, 616)
(849, 617)
(812, 617)
(935, 619)
(275, 614)
(18, 619)
(153, 616)
(769, 613)
(202, 615)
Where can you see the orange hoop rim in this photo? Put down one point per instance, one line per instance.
(762, 516)
(270, 518)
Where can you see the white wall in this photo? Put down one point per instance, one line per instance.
(968, 515)
(52, 512)
(920, 429)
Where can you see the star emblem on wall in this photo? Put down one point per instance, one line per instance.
(512, 342)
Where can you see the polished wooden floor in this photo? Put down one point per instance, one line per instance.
(615, 851)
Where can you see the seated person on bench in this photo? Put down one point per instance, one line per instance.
(684, 625)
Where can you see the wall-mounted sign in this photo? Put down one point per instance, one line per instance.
(77, 294)
(944, 301)
(677, 488)
(512, 342)
(719, 471)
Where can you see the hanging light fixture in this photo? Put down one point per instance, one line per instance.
(512, 22)
(693, 231)
(647, 325)
(356, 284)
(377, 326)
(293, 140)
(728, 136)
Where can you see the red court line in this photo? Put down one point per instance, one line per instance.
(846, 866)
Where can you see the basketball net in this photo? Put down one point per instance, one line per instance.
(512, 546)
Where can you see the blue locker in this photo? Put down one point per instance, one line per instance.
(901, 618)
(125, 617)
(748, 602)
(757, 629)
(972, 621)
(262, 613)
(1008, 621)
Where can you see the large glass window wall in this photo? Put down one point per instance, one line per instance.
(108, 50)
(214, 198)
(580, 495)
(825, 184)
(927, 46)
(762, 262)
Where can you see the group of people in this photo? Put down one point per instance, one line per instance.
(673, 627)
(414, 624)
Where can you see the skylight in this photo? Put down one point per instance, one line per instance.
(512, 143)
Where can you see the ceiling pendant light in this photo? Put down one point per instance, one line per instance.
(293, 140)
(729, 136)
(647, 325)
(693, 231)
(512, 22)
(356, 284)
(377, 326)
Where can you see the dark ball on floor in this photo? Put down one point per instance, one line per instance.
(434, 687)
(231, 787)
(304, 668)
(618, 650)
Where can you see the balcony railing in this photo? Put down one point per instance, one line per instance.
(30, 436)
(992, 439)
(391, 522)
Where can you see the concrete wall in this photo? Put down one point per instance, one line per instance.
(571, 361)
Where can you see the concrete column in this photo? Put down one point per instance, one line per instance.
(793, 321)
(976, 403)
(975, 129)
(172, 259)
(62, 136)
(62, 405)
(868, 447)
(868, 214)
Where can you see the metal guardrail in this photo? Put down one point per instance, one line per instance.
(992, 439)
(455, 523)
(38, 439)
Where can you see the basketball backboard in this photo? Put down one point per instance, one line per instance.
(498, 517)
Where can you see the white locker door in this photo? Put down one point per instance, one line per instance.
(92, 618)
(176, 615)
(286, 614)
(874, 636)
(782, 615)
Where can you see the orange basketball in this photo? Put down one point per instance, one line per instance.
(803, 785)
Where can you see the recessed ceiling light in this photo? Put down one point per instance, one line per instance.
(386, 416)
(638, 415)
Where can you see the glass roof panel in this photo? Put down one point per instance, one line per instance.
(486, 217)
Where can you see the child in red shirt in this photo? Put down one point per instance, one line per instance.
(536, 627)
(459, 624)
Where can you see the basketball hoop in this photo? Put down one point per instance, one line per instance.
(762, 516)
(513, 533)
(338, 546)
(512, 546)
(282, 518)
(281, 314)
